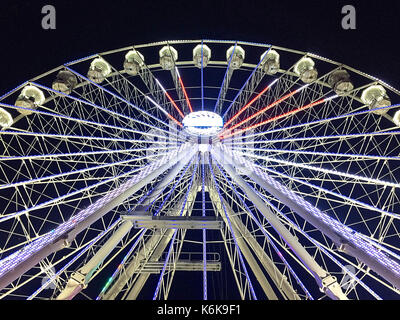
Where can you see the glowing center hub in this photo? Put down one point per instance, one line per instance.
(203, 123)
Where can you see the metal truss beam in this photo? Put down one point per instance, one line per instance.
(325, 281)
(15, 265)
(81, 278)
(167, 222)
(152, 251)
(345, 238)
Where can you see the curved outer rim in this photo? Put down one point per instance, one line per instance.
(212, 62)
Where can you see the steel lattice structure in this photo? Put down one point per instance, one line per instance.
(105, 195)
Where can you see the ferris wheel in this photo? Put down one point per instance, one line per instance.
(201, 169)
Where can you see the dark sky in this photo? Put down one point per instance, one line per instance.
(86, 27)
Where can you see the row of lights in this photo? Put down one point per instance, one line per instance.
(31, 97)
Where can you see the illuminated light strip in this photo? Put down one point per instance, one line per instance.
(140, 235)
(170, 99)
(277, 117)
(184, 90)
(232, 233)
(78, 191)
(348, 234)
(324, 154)
(118, 97)
(64, 136)
(54, 176)
(321, 121)
(261, 228)
(104, 125)
(328, 171)
(268, 107)
(321, 247)
(163, 110)
(110, 280)
(175, 233)
(86, 248)
(354, 201)
(84, 153)
(250, 103)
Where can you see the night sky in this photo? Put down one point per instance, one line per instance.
(87, 27)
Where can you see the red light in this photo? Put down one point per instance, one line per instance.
(185, 93)
(262, 110)
(246, 106)
(222, 136)
(176, 121)
(174, 104)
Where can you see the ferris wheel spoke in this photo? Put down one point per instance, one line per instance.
(321, 154)
(346, 199)
(80, 221)
(329, 251)
(327, 171)
(83, 138)
(131, 93)
(117, 100)
(250, 84)
(314, 91)
(244, 108)
(225, 83)
(326, 251)
(320, 275)
(385, 266)
(267, 260)
(74, 172)
(283, 115)
(96, 111)
(98, 126)
(251, 292)
(323, 121)
(177, 78)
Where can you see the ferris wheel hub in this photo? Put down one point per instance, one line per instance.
(203, 123)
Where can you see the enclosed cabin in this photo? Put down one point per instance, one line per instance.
(30, 98)
(134, 62)
(6, 119)
(305, 70)
(236, 56)
(396, 118)
(168, 57)
(375, 97)
(201, 56)
(339, 81)
(65, 82)
(99, 70)
(270, 62)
